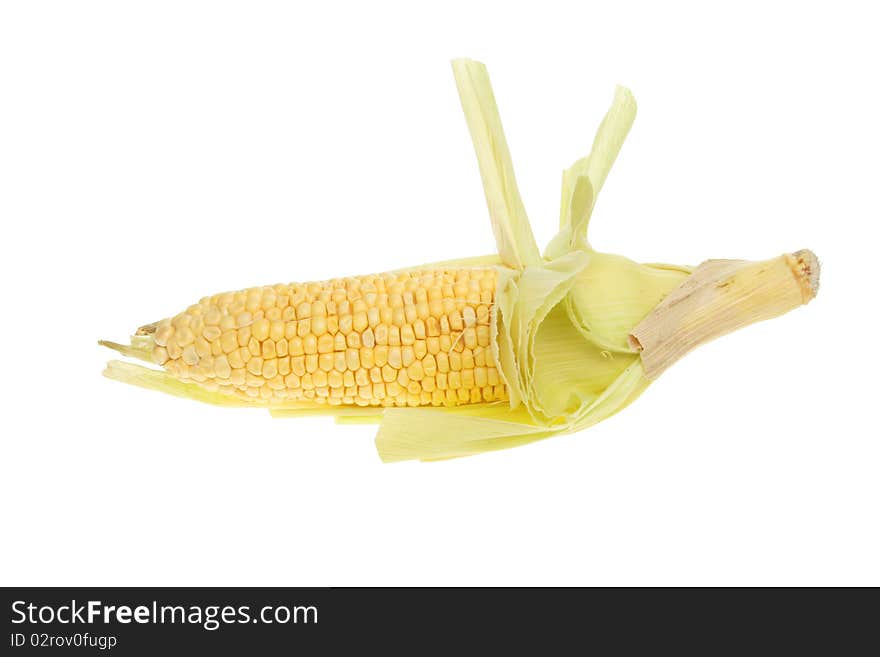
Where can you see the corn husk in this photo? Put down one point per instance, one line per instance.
(561, 322)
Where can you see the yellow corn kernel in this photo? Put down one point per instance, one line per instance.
(394, 339)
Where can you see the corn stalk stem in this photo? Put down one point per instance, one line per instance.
(720, 297)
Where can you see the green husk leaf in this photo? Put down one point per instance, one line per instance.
(513, 234)
(440, 433)
(613, 294)
(582, 182)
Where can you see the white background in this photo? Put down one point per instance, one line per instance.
(152, 153)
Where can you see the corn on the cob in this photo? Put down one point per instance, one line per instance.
(417, 338)
(477, 354)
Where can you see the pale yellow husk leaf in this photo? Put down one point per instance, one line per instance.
(561, 323)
